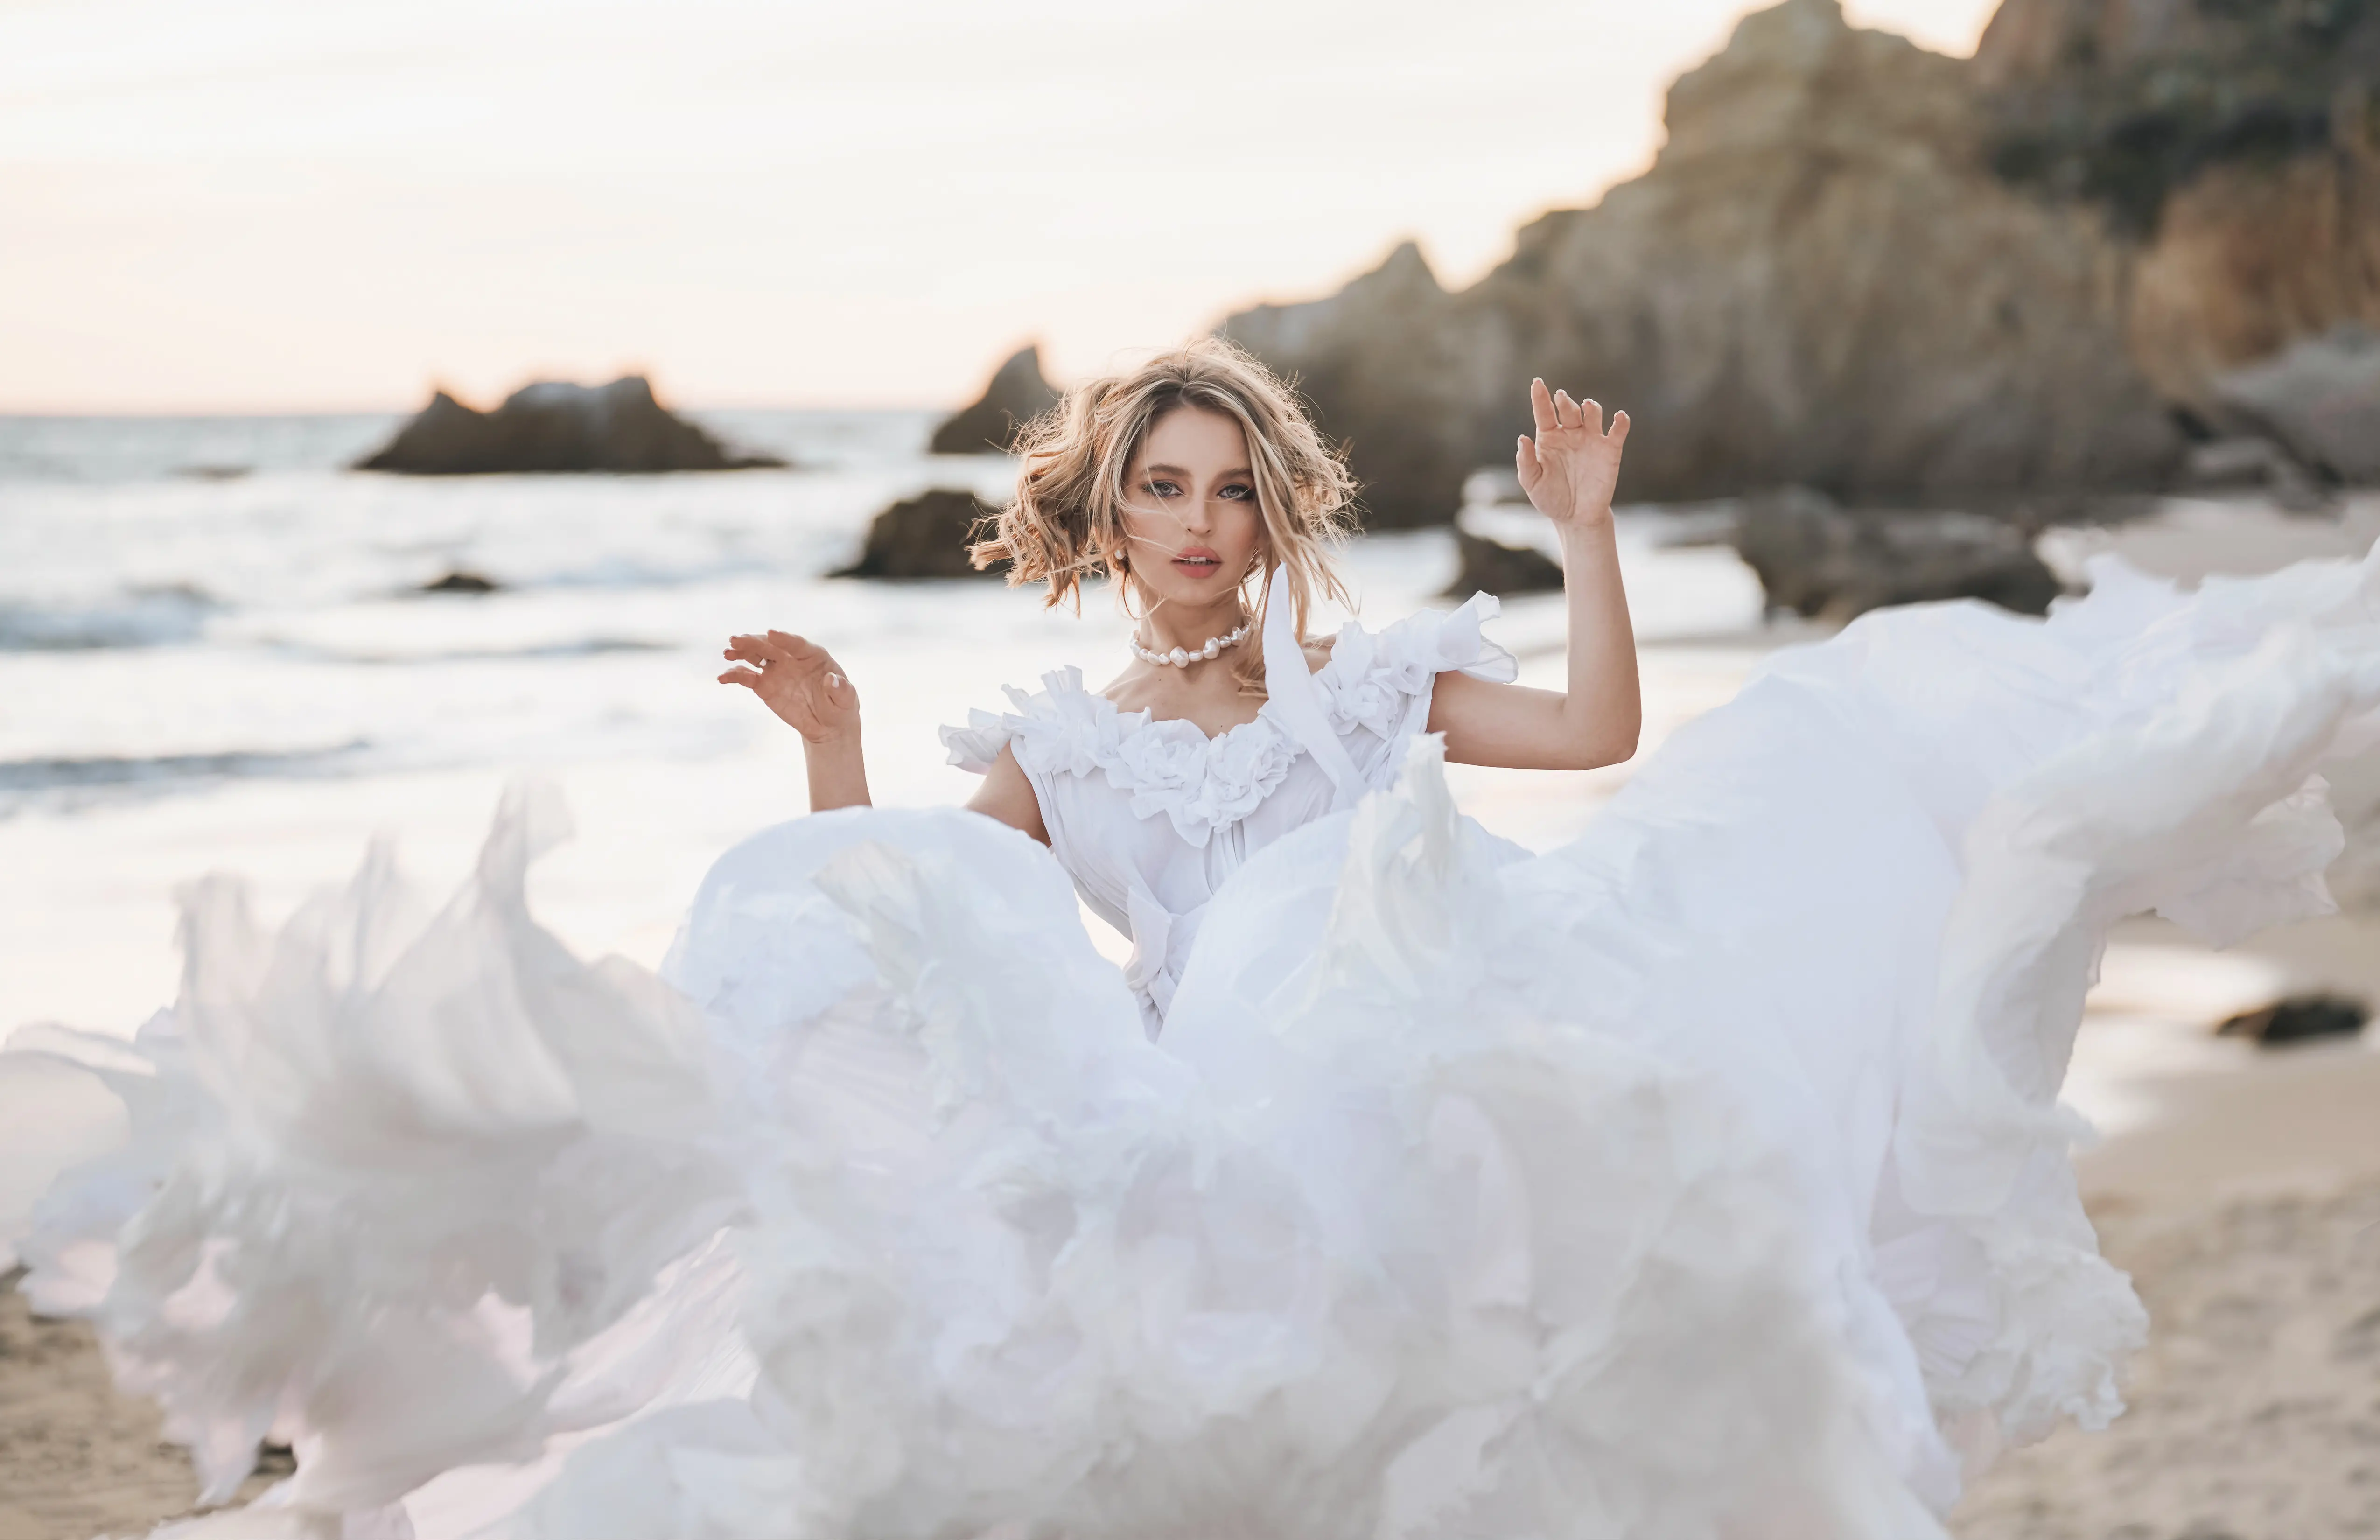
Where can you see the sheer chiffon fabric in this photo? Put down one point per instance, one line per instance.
(1704, 1177)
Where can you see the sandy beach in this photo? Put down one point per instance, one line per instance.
(2250, 1224)
(77, 1458)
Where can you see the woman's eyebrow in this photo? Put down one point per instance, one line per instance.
(1177, 470)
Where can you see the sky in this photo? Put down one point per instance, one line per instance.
(294, 205)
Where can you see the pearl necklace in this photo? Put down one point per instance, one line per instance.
(1182, 658)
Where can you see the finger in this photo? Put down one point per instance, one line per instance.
(1565, 410)
(839, 691)
(761, 650)
(1619, 434)
(744, 677)
(1590, 415)
(795, 647)
(1525, 461)
(1541, 406)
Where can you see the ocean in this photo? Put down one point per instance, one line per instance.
(214, 656)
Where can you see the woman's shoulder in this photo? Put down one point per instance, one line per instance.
(1409, 653)
(1063, 713)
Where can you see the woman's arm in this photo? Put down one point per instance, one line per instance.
(1007, 795)
(1569, 470)
(802, 684)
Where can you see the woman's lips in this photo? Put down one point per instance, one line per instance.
(1198, 562)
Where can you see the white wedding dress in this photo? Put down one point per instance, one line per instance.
(1703, 1178)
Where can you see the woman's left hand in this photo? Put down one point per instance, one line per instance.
(1570, 469)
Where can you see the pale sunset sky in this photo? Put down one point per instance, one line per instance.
(263, 205)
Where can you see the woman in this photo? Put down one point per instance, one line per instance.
(1702, 1178)
(1192, 483)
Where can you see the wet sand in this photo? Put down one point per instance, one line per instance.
(77, 1458)
(2250, 1225)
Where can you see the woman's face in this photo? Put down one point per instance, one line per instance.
(1191, 522)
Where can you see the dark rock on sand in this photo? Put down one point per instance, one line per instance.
(1820, 560)
(2248, 463)
(1491, 567)
(925, 536)
(459, 581)
(1017, 394)
(2299, 1019)
(553, 427)
(2321, 398)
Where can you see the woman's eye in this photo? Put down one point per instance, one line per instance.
(1239, 493)
(1161, 488)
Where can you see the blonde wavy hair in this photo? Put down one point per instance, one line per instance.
(1066, 520)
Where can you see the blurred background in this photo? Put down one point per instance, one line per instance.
(396, 400)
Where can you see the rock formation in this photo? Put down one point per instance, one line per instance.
(1901, 277)
(2320, 398)
(925, 536)
(461, 580)
(1396, 370)
(2236, 143)
(2253, 465)
(1017, 395)
(1819, 282)
(555, 426)
(2299, 1019)
(1822, 561)
(1491, 567)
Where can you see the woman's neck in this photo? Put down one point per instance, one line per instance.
(1190, 627)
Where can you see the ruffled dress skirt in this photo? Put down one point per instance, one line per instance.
(1703, 1178)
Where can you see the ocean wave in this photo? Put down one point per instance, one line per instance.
(66, 783)
(146, 617)
(589, 647)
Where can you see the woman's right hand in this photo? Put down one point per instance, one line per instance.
(799, 681)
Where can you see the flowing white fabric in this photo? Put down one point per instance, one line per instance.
(1151, 818)
(1703, 1178)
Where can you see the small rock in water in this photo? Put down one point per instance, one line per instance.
(1017, 394)
(552, 428)
(2300, 1018)
(925, 536)
(459, 581)
(1491, 567)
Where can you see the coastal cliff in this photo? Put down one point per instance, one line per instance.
(1891, 275)
(2236, 146)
